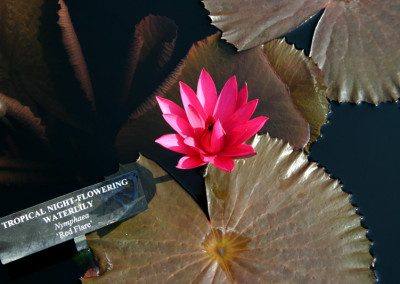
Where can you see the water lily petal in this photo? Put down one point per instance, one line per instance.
(169, 107)
(206, 92)
(189, 98)
(217, 137)
(224, 163)
(175, 143)
(243, 132)
(241, 115)
(195, 119)
(238, 151)
(190, 162)
(242, 96)
(191, 142)
(208, 158)
(213, 141)
(179, 124)
(226, 103)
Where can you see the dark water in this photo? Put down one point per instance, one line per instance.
(359, 145)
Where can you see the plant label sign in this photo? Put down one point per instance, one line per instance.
(70, 216)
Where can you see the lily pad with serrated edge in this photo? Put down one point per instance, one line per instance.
(305, 81)
(356, 45)
(247, 24)
(275, 218)
(355, 42)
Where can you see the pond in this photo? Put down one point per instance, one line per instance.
(358, 145)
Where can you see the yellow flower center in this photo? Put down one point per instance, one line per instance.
(225, 248)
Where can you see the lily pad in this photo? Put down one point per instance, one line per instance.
(277, 218)
(250, 23)
(19, 48)
(50, 96)
(152, 47)
(24, 72)
(73, 48)
(23, 115)
(355, 42)
(305, 81)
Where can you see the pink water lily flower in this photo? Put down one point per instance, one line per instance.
(211, 128)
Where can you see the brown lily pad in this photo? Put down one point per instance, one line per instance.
(44, 74)
(23, 115)
(250, 23)
(305, 81)
(277, 218)
(152, 47)
(73, 48)
(24, 72)
(356, 44)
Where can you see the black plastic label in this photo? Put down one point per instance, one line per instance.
(70, 216)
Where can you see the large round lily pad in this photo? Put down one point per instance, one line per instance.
(277, 218)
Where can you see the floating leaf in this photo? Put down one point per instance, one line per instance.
(24, 116)
(3, 107)
(277, 218)
(302, 226)
(151, 240)
(152, 46)
(73, 48)
(19, 49)
(250, 23)
(356, 44)
(42, 90)
(305, 81)
(24, 72)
